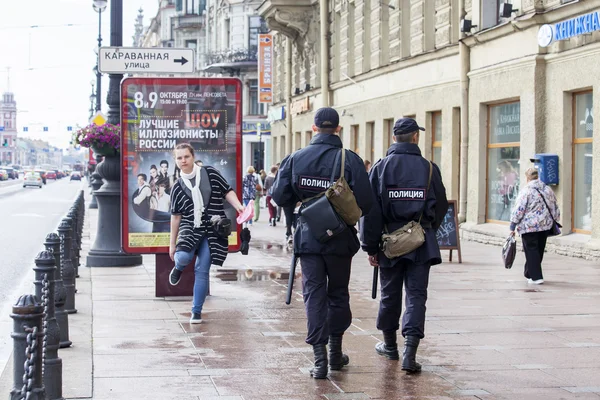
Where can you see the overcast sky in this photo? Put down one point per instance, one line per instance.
(51, 66)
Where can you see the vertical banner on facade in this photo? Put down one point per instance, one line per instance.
(156, 115)
(265, 68)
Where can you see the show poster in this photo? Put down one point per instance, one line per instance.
(157, 114)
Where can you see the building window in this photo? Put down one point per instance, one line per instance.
(371, 138)
(503, 152)
(583, 129)
(436, 139)
(253, 95)
(355, 139)
(192, 7)
(282, 149)
(275, 149)
(388, 132)
(178, 5)
(341, 135)
(490, 13)
(191, 44)
(256, 25)
(309, 135)
(297, 141)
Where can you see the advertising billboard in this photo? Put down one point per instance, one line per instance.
(157, 114)
(265, 68)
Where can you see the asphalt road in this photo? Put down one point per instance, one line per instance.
(27, 215)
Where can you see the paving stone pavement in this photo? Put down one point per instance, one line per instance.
(489, 335)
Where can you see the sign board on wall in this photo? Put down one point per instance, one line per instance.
(265, 68)
(581, 25)
(156, 115)
(300, 106)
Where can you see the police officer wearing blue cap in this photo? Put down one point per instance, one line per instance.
(406, 187)
(325, 266)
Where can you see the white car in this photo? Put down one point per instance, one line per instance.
(32, 179)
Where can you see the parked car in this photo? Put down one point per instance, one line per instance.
(12, 173)
(3, 175)
(75, 176)
(50, 175)
(32, 179)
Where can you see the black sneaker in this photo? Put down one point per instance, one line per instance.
(196, 319)
(174, 276)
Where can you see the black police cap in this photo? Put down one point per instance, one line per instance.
(327, 117)
(405, 126)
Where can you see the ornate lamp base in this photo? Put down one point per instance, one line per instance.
(106, 250)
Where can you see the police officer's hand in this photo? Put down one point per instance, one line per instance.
(373, 260)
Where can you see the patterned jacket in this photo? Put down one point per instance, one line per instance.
(530, 213)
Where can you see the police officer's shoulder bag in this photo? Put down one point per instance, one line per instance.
(342, 198)
(320, 215)
(407, 238)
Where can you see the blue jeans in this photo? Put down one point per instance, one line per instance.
(201, 271)
(246, 201)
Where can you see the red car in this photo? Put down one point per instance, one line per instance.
(50, 175)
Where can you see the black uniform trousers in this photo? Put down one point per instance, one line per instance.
(416, 279)
(534, 244)
(325, 280)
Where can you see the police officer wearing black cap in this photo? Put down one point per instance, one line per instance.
(399, 183)
(325, 266)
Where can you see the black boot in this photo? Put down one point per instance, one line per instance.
(319, 371)
(388, 348)
(337, 359)
(409, 362)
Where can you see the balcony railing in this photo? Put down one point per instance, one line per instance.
(232, 56)
(189, 21)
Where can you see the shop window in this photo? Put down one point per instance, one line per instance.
(355, 138)
(436, 139)
(583, 129)
(282, 149)
(503, 153)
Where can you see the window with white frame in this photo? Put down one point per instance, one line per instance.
(254, 106)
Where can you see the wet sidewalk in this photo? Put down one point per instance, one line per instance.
(489, 334)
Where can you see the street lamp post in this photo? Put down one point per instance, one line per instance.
(92, 98)
(106, 250)
(99, 7)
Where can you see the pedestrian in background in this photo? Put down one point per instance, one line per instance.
(259, 194)
(325, 266)
(196, 202)
(269, 180)
(533, 216)
(406, 188)
(249, 185)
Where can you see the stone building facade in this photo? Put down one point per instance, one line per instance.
(490, 93)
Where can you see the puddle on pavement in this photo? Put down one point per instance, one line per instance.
(229, 275)
(271, 247)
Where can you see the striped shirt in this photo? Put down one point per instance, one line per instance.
(182, 204)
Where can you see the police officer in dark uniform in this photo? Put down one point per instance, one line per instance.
(399, 184)
(325, 266)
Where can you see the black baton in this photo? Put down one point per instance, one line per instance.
(290, 287)
(375, 276)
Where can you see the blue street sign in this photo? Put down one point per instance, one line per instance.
(69, 128)
(45, 129)
(1, 129)
(25, 129)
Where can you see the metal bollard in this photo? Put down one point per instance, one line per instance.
(75, 243)
(68, 270)
(45, 270)
(27, 315)
(52, 244)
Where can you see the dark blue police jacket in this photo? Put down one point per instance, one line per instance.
(306, 173)
(399, 185)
